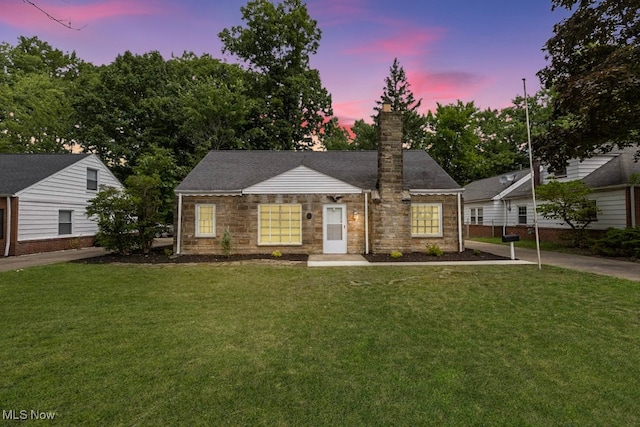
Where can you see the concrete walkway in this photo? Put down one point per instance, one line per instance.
(24, 261)
(604, 266)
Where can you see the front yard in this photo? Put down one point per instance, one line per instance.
(275, 345)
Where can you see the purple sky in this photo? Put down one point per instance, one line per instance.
(468, 50)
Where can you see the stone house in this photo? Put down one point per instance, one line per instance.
(313, 202)
(43, 198)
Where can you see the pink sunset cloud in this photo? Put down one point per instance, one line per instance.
(24, 15)
(350, 111)
(443, 86)
(410, 42)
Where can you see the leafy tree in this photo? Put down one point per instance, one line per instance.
(127, 219)
(115, 213)
(35, 83)
(35, 116)
(452, 140)
(161, 166)
(595, 70)
(568, 202)
(335, 137)
(497, 152)
(140, 104)
(144, 193)
(365, 136)
(276, 45)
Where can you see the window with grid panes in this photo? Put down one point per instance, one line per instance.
(426, 219)
(280, 224)
(205, 221)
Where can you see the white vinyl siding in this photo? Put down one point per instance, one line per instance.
(65, 190)
(302, 180)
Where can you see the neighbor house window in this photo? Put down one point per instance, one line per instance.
(522, 214)
(280, 224)
(65, 222)
(92, 179)
(1, 223)
(476, 216)
(205, 220)
(426, 219)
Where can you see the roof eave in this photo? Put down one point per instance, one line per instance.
(418, 191)
(208, 193)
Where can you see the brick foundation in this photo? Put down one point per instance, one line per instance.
(556, 235)
(51, 245)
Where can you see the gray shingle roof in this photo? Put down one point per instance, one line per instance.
(617, 171)
(486, 189)
(235, 170)
(19, 171)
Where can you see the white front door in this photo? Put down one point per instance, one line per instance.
(334, 229)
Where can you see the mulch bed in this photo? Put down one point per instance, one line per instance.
(158, 256)
(466, 255)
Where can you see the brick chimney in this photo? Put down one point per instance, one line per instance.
(389, 151)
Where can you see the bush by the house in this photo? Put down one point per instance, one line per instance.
(619, 243)
(434, 250)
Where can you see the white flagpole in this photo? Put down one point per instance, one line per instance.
(533, 184)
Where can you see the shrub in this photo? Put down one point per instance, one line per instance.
(619, 243)
(434, 250)
(276, 254)
(395, 254)
(226, 242)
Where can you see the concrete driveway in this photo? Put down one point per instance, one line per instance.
(24, 261)
(604, 266)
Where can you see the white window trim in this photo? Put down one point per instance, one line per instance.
(260, 242)
(97, 180)
(439, 233)
(526, 215)
(70, 233)
(197, 223)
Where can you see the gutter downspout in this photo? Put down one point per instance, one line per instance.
(632, 196)
(366, 223)
(179, 233)
(460, 241)
(8, 234)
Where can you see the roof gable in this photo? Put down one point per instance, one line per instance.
(489, 188)
(301, 180)
(21, 171)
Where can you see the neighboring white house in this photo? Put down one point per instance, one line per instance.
(43, 199)
(504, 203)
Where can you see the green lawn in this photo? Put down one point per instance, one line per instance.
(269, 345)
(531, 244)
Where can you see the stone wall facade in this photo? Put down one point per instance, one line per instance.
(239, 214)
